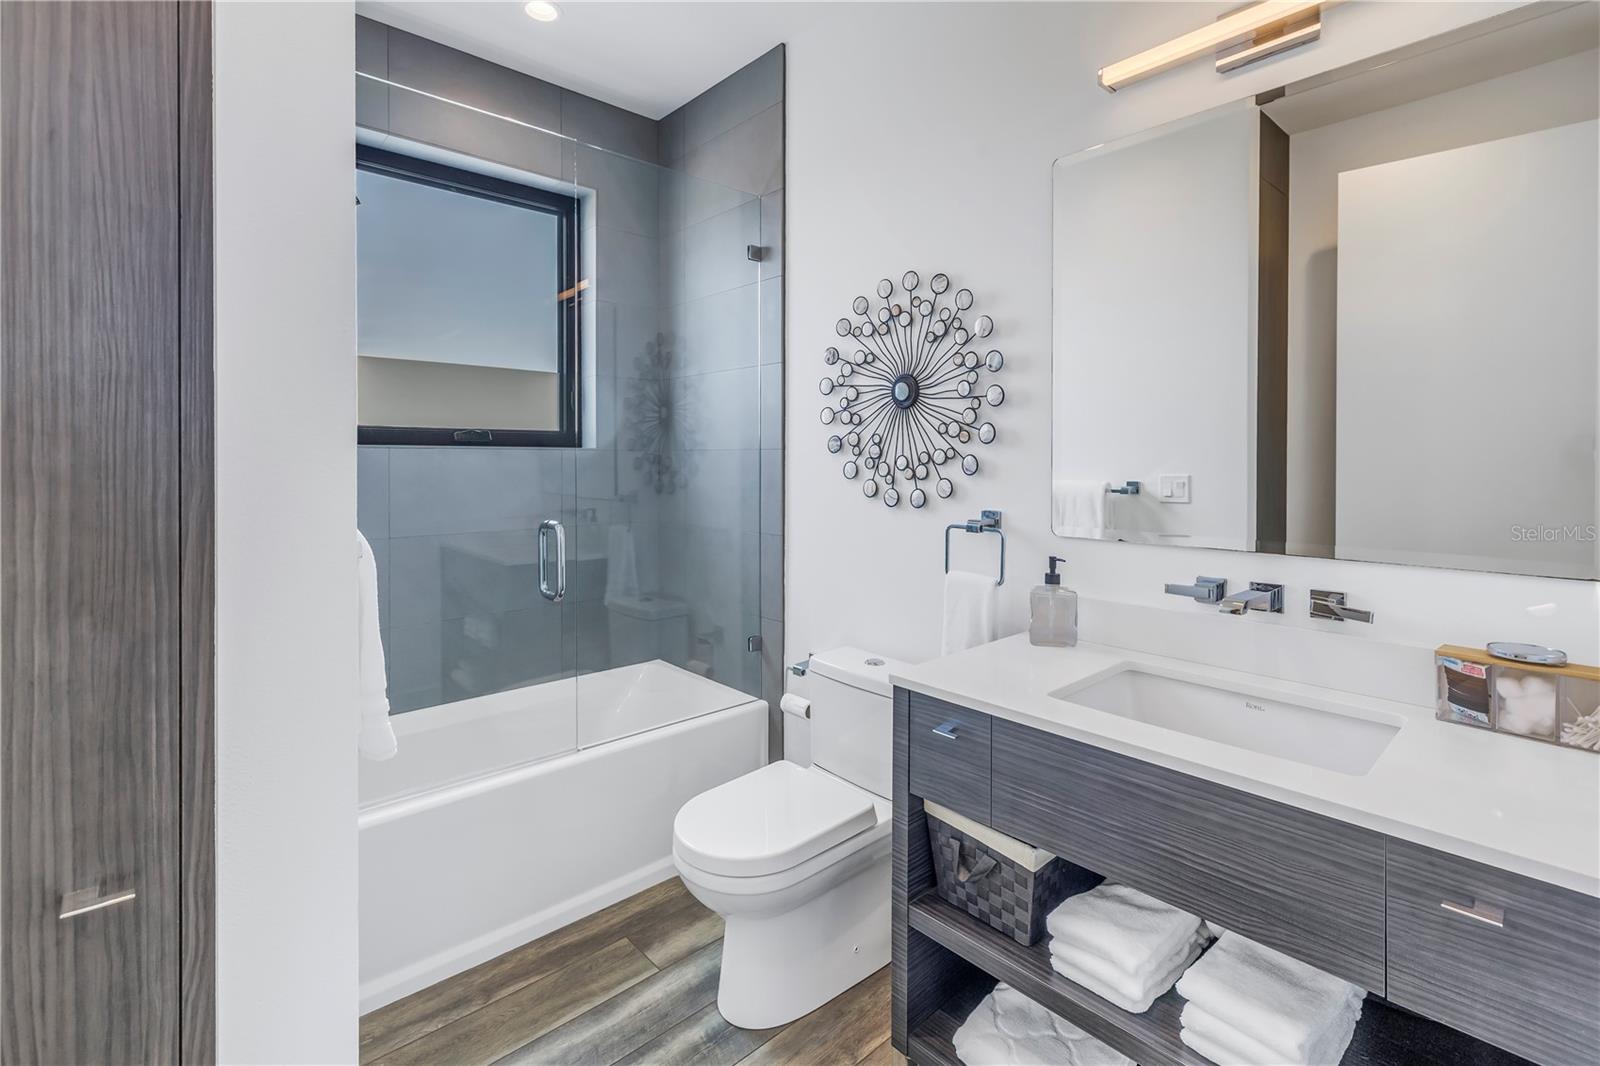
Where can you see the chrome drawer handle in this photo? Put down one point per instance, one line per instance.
(84, 900)
(947, 729)
(1478, 912)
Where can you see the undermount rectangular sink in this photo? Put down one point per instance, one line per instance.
(1343, 739)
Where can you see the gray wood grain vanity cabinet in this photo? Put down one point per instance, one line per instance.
(1304, 884)
(1505, 959)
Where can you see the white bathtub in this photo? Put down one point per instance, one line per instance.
(505, 817)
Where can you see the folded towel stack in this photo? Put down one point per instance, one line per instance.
(1123, 945)
(1009, 1029)
(1249, 1004)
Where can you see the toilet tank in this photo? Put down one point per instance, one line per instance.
(852, 716)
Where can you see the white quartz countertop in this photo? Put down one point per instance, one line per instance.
(1525, 806)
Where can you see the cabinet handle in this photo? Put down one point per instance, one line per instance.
(94, 898)
(1478, 912)
(947, 729)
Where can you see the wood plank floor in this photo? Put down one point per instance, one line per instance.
(635, 983)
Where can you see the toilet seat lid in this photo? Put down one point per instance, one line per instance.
(769, 820)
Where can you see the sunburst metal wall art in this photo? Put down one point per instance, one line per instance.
(908, 395)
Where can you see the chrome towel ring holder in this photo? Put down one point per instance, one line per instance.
(987, 522)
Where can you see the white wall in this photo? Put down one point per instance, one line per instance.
(286, 623)
(1155, 323)
(1489, 359)
(1550, 94)
(935, 154)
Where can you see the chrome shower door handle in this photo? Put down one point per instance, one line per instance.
(559, 592)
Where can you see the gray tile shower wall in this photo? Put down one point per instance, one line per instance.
(406, 59)
(676, 321)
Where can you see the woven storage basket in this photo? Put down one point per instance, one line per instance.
(993, 888)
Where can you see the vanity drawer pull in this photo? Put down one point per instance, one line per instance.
(1478, 912)
(948, 755)
(94, 898)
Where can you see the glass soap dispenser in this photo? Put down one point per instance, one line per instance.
(1054, 609)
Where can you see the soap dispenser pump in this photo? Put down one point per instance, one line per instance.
(1054, 611)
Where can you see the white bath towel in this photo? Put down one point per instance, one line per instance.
(969, 611)
(1009, 1029)
(1150, 980)
(1280, 1002)
(376, 737)
(1243, 1048)
(1080, 507)
(1123, 926)
(1156, 987)
(622, 567)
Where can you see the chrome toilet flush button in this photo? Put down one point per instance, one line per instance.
(874, 661)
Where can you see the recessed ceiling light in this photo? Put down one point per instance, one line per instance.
(542, 10)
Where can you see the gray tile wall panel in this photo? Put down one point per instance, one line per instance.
(372, 47)
(435, 68)
(737, 98)
(748, 157)
(606, 126)
(372, 57)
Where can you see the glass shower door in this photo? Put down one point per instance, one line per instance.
(469, 273)
(604, 575)
(666, 532)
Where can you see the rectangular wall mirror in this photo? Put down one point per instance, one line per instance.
(1353, 318)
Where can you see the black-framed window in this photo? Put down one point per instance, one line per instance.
(467, 307)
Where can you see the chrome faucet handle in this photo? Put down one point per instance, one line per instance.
(1204, 589)
(1331, 606)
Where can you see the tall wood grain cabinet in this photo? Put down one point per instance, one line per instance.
(106, 410)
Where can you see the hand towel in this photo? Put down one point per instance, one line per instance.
(1009, 1029)
(1326, 1050)
(622, 567)
(376, 738)
(1122, 925)
(1132, 1004)
(1281, 1002)
(1132, 985)
(1079, 507)
(969, 610)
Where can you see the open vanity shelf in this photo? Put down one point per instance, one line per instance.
(1386, 1036)
(1442, 991)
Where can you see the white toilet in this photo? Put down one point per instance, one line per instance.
(796, 859)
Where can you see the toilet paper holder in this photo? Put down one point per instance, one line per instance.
(987, 522)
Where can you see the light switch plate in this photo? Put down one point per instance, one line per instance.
(1173, 488)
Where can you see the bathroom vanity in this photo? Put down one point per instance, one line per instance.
(1452, 873)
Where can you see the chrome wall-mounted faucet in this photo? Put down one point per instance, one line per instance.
(1261, 597)
(1204, 589)
(1330, 605)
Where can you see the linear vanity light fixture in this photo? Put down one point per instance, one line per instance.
(1237, 38)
